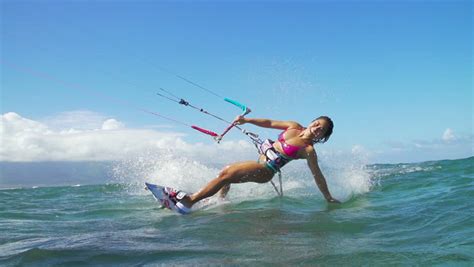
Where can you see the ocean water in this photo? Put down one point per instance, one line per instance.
(394, 215)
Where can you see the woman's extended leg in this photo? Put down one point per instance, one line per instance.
(242, 172)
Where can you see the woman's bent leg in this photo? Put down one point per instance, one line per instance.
(249, 171)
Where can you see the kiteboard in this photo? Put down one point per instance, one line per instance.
(167, 197)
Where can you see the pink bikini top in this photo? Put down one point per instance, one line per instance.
(289, 150)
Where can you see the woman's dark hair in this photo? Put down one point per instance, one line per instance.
(328, 132)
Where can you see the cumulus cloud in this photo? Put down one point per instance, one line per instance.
(450, 145)
(76, 119)
(112, 124)
(448, 135)
(24, 140)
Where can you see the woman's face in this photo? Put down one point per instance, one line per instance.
(318, 128)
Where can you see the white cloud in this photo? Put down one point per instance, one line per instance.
(448, 135)
(112, 124)
(76, 119)
(23, 139)
(449, 146)
(13, 123)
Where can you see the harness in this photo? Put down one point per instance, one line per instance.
(274, 159)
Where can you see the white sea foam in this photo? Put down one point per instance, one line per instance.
(381, 171)
(9, 188)
(346, 176)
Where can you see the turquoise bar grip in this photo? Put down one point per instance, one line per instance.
(243, 107)
(236, 103)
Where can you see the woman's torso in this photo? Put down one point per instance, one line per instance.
(290, 143)
(288, 147)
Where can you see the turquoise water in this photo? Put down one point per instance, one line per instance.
(413, 214)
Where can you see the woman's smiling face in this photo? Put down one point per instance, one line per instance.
(318, 128)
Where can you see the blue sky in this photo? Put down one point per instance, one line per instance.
(396, 76)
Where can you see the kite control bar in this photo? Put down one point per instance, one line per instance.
(217, 137)
(245, 111)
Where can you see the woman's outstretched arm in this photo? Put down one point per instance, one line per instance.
(267, 123)
(318, 175)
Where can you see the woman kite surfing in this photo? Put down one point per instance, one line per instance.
(294, 142)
